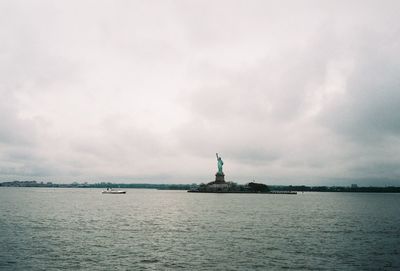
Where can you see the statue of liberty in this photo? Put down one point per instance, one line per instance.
(220, 164)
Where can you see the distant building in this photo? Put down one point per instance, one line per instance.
(353, 185)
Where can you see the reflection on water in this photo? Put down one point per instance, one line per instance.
(72, 229)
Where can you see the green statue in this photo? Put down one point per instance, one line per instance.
(220, 164)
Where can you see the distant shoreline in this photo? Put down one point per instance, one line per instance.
(301, 188)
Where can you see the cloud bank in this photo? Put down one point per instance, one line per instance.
(132, 91)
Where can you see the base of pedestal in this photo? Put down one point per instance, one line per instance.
(220, 178)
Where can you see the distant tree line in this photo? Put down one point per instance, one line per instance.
(97, 185)
(367, 189)
(250, 186)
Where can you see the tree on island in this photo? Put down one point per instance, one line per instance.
(258, 187)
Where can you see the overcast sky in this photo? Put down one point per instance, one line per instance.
(288, 92)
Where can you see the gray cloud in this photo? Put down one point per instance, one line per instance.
(305, 92)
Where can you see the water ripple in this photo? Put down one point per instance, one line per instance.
(81, 229)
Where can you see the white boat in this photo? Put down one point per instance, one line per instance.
(111, 191)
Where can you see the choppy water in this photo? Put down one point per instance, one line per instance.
(72, 229)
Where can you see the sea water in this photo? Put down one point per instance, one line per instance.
(82, 229)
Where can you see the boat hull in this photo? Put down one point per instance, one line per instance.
(113, 192)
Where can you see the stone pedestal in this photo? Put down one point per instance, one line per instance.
(219, 178)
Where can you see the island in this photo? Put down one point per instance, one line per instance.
(221, 186)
